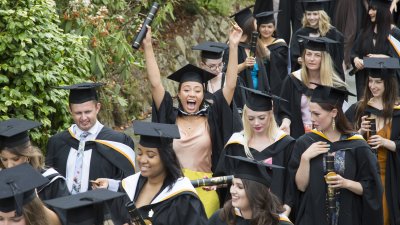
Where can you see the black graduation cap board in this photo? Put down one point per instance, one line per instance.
(254, 170)
(266, 17)
(317, 43)
(314, 5)
(84, 208)
(211, 50)
(381, 67)
(14, 132)
(151, 133)
(191, 73)
(82, 92)
(330, 95)
(17, 187)
(242, 16)
(260, 101)
(380, 3)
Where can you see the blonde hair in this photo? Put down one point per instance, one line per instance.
(272, 129)
(327, 73)
(324, 22)
(34, 155)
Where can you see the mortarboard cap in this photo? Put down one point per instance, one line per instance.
(151, 134)
(14, 132)
(242, 16)
(211, 50)
(260, 101)
(330, 95)
(191, 73)
(85, 208)
(254, 170)
(82, 92)
(381, 67)
(266, 17)
(17, 187)
(317, 43)
(313, 5)
(380, 4)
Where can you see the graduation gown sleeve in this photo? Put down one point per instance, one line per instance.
(277, 66)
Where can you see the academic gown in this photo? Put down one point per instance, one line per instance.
(358, 163)
(216, 220)
(359, 51)
(178, 205)
(292, 90)
(336, 51)
(276, 66)
(223, 121)
(279, 152)
(392, 177)
(112, 154)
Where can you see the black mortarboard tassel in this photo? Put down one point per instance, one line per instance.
(14, 132)
(330, 95)
(17, 187)
(211, 50)
(82, 92)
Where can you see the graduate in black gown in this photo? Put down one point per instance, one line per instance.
(354, 178)
(18, 149)
(316, 23)
(19, 203)
(160, 192)
(204, 127)
(272, 50)
(373, 41)
(261, 140)
(252, 202)
(297, 87)
(381, 104)
(105, 152)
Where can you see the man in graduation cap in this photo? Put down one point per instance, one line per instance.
(381, 106)
(357, 190)
(317, 25)
(88, 150)
(19, 203)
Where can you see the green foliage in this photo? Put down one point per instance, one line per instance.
(35, 56)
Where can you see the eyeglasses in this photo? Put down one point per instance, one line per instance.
(219, 66)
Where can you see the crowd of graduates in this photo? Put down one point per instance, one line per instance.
(269, 107)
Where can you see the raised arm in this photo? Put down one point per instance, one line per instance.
(153, 72)
(232, 69)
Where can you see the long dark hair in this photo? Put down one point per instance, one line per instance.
(171, 164)
(265, 206)
(383, 21)
(389, 98)
(341, 122)
(248, 29)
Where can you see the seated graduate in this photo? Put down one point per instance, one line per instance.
(252, 201)
(261, 139)
(87, 208)
(19, 203)
(18, 149)
(353, 194)
(160, 192)
(380, 104)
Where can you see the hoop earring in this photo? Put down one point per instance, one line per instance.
(333, 123)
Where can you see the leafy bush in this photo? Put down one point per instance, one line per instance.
(35, 56)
